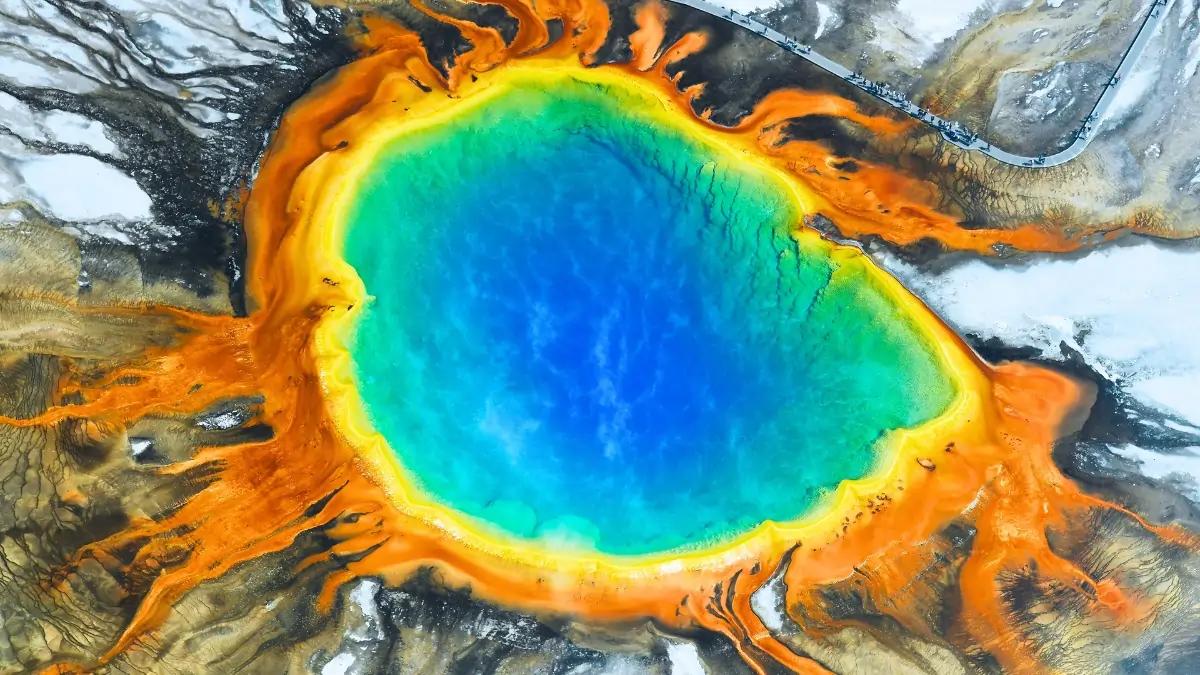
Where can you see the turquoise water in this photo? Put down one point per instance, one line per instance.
(591, 329)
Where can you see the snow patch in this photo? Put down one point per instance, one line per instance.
(1049, 87)
(77, 188)
(1185, 12)
(1183, 464)
(1188, 71)
(1133, 308)
(825, 19)
(685, 659)
(139, 446)
(363, 596)
(187, 43)
(916, 27)
(1135, 87)
(24, 70)
(54, 126)
(338, 665)
(765, 603)
(1178, 393)
(936, 20)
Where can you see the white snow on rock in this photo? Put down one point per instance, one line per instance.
(153, 44)
(139, 446)
(338, 665)
(208, 32)
(364, 633)
(73, 129)
(937, 20)
(1137, 304)
(1049, 86)
(1185, 11)
(765, 603)
(825, 19)
(1183, 466)
(685, 659)
(54, 126)
(72, 187)
(181, 47)
(1188, 71)
(916, 27)
(1180, 393)
(53, 160)
(81, 188)
(511, 631)
(25, 70)
(364, 598)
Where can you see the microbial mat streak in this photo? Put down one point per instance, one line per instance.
(536, 324)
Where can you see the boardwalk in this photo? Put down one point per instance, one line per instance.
(952, 131)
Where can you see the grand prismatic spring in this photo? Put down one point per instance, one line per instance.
(532, 341)
(617, 309)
